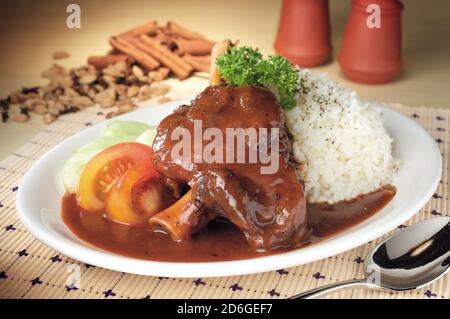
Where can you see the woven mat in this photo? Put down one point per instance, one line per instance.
(29, 269)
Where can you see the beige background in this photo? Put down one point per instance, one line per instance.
(31, 30)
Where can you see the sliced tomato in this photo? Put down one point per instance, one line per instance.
(136, 196)
(103, 170)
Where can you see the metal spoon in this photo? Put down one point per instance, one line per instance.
(412, 258)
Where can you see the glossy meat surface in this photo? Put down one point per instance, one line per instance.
(270, 209)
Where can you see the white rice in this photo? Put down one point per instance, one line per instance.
(340, 140)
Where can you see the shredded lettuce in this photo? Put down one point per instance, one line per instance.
(147, 137)
(124, 129)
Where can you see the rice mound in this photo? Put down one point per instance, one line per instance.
(340, 141)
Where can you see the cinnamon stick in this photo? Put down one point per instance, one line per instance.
(177, 65)
(102, 61)
(177, 29)
(125, 46)
(150, 27)
(200, 63)
(194, 47)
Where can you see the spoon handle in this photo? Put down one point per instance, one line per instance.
(327, 289)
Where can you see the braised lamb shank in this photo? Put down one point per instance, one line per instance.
(270, 209)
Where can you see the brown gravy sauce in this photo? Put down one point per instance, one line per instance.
(220, 241)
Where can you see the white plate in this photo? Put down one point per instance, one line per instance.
(39, 201)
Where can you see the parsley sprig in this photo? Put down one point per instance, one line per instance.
(241, 66)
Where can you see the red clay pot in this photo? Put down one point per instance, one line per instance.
(304, 32)
(372, 55)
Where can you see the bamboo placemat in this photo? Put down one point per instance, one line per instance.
(29, 269)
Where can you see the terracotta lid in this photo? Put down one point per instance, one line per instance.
(387, 6)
